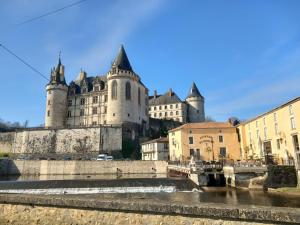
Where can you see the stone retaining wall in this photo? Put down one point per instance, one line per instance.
(45, 167)
(61, 141)
(28, 209)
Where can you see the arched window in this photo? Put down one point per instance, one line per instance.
(128, 91)
(114, 88)
(139, 96)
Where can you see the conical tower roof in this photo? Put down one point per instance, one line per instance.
(121, 61)
(194, 92)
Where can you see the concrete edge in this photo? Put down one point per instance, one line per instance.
(207, 210)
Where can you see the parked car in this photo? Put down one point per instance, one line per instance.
(104, 157)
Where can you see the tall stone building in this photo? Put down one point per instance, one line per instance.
(118, 97)
(169, 106)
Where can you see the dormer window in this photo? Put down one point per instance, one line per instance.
(114, 70)
(83, 90)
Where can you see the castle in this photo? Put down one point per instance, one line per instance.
(169, 106)
(119, 97)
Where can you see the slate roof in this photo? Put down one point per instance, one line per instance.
(164, 99)
(194, 92)
(121, 61)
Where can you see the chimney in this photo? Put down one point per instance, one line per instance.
(155, 94)
(170, 92)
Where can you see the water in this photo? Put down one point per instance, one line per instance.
(209, 195)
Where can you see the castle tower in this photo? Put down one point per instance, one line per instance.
(127, 96)
(195, 103)
(56, 102)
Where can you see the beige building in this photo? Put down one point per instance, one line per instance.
(115, 98)
(157, 149)
(206, 141)
(170, 106)
(275, 133)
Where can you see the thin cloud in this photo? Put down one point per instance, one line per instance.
(131, 14)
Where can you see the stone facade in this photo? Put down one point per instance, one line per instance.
(274, 134)
(170, 106)
(63, 141)
(157, 149)
(209, 141)
(115, 98)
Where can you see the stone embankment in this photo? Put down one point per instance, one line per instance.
(28, 209)
(56, 167)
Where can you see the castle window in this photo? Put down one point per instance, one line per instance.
(166, 114)
(48, 102)
(70, 103)
(114, 87)
(82, 101)
(291, 109)
(176, 106)
(154, 107)
(69, 114)
(223, 152)
(48, 113)
(171, 106)
(165, 107)
(171, 113)
(128, 115)
(220, 138)
(95, 99)
(94, 123)
(114, 114)
(128, 91)
(177, 113)
(139, 96)
(160, 114)
(191, 140)
(154, 114)
(105, 98)
(94, 110)
(81, 112)
(83, 90)
(105, 109)
(160, 107)
(114, 70)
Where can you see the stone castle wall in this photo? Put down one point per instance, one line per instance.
(61, 141)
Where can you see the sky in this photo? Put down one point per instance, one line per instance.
(244, 56)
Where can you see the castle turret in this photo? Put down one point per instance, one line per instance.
(195, 103)
(126, 94)
(56, 103)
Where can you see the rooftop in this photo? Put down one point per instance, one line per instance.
(204, 125)
(157, 140)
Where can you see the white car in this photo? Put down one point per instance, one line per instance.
(104, 157)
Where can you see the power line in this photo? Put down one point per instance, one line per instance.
(23, 61)
(51, 12)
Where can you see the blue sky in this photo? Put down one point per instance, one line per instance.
(243, 55)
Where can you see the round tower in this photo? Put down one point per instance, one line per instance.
(56, 102)
(127, 96)
(195, 105)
